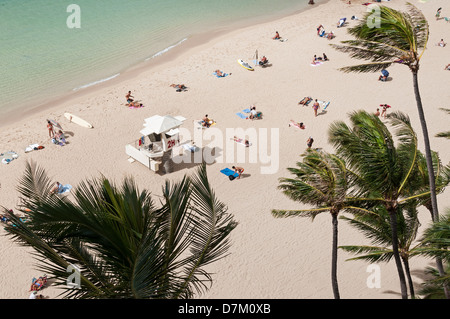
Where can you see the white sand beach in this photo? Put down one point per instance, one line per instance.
(269, 258)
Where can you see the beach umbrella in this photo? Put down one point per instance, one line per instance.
(385, 72)
(55, 124)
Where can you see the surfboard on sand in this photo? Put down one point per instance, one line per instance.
(77, 120)
(245, 65)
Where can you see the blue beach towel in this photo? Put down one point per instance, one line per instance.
(242, 116)
(228, 172)
(246, 111)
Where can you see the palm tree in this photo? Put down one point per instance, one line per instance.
(321, 180)
(376, 227)
(123, 245)
(399, 37)
(435, 243)
(383, 169)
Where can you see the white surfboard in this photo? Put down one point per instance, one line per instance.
(245, 65)
(77, 120)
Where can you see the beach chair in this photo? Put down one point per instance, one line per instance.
(447, 19)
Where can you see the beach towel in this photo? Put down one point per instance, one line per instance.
(242, 116)
(191, 148)
(224, 75)
(317, 64)
(246, 111)
(7, 157)
(65, 189)
(324, 104)
(229, 172)
(200, 123)
(33, 147)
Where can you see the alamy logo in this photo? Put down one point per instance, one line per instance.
(374, 20)
(74, 20)
(374, 279)
(74, 279)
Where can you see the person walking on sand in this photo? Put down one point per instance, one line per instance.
(51, 131)
(315, 107)
(438, 13)
(238, 170)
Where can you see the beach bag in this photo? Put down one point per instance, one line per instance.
(231, 177)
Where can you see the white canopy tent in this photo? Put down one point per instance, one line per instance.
(162, 124)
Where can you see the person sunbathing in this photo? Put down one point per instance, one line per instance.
(442, 43)
(39, 283)
(178, 87)
(135, 104)
(305, 100)
(277, 36)
(263, 60)
(240, 140)
(318, 29)
(238, 170)
(252, 113)
(58, 188)
(59, 137)
(206, 121)
(219, 73)
(330, 35)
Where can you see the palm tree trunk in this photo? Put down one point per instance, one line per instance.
(334, 281)
(429, 159)
(401, 274)
(408, 274)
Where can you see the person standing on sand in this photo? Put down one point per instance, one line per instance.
(377, 113)
(310, 142)
(51, 132)
(384, 111)
(438, 13)
(315, 107)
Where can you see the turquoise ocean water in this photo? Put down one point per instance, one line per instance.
(41, 58)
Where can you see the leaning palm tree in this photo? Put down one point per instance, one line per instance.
(121, 242)
(320, 180)
(383, 169)
(389, 36)
(376, 227)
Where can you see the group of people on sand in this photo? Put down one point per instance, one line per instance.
(383, 113)
(131, 102)
(318, 59)
(206, 121)
(57, 137)
(321, 33)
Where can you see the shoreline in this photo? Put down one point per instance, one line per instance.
(268, 258)
(184, 47)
